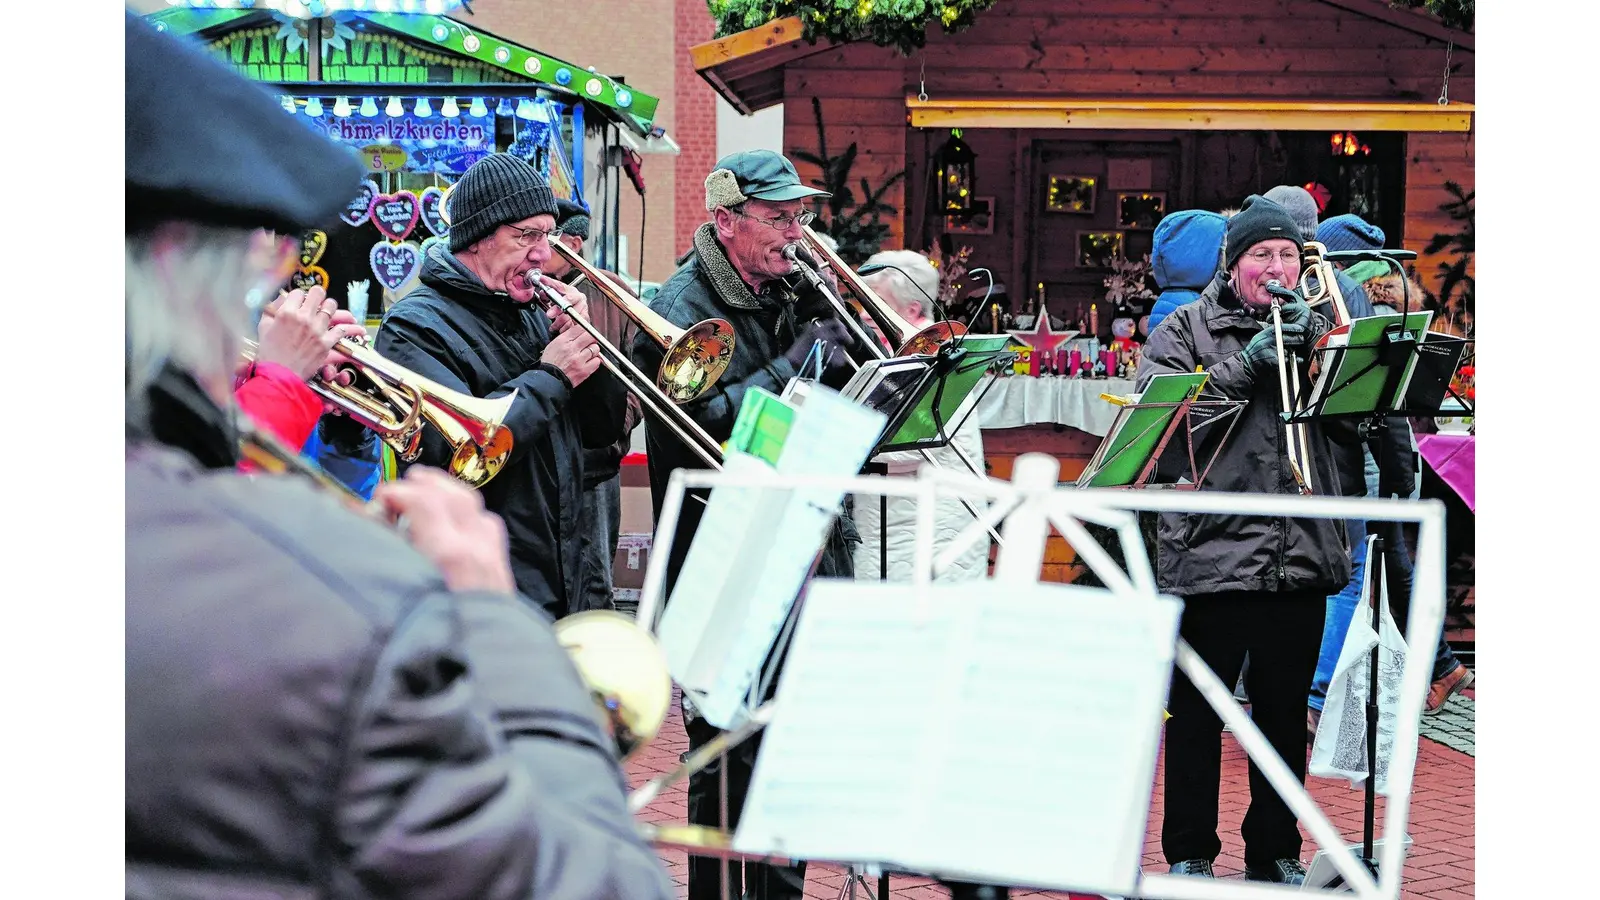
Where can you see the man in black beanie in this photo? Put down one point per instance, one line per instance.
(476, 324)
(1250, 584)
(318, 705)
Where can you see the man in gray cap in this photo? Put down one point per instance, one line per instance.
(317, 705)
(476, 324)
(737, 271)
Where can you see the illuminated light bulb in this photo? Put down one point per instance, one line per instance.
(525, 109)
(314, 107)
(504, 109)
(478, 108)
(341, 107)
(394, 109)
(288, 104)
(424, 108)
(369, 107)
(449, 109)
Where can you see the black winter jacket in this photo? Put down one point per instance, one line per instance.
(1206, 554)
(765, 326)
(453, 330)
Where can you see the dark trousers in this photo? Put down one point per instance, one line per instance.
(755, 881)
(1282, 632)
(597, 539)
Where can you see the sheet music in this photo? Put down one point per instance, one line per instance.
(1008, 736)
(752, 552)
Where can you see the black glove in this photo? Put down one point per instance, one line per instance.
(1297, 312)
(832, 333)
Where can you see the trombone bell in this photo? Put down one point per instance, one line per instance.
(696, 360)
(625, 671)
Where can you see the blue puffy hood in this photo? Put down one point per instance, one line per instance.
(1187, 249)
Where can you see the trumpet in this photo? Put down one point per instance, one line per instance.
(1289, 372)
(396, 402)
(910, 340)
(695, 356)
(617, 363)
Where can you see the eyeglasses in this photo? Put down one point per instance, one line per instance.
(782, 223)
(527, 237)
(1264, 256)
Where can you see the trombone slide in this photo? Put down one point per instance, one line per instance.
(1299, 450)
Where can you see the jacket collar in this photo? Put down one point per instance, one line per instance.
(177, 413)
(725, 280)
(1223, 309)
(443, 272)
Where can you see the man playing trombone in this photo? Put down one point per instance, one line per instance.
(1249, 583)
(472, 325)
(738, 272)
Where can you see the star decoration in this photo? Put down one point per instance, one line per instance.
(1041, 340)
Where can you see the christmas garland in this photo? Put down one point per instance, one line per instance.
(888, 23)
(1454, 13)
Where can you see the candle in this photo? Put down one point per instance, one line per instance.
(1094, 319)
(1075, 363)
(994, 317)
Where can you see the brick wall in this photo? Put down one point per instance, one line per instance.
(696, 132)
(633, 40)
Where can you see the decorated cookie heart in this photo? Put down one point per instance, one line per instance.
(312, 245)
(359, 209)
(444, 205)
(307, 277)
(395, 264)
(432, 200)
(396, 214)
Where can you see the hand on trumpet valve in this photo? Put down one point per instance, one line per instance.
(446, 522)
(299, 329)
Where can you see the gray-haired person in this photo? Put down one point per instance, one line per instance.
(317, 705)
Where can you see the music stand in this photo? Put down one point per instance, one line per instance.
(926, 415)
(1369, 379)
(1130, 454)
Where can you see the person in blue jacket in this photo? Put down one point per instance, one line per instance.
(347, 451)
(1187, 251)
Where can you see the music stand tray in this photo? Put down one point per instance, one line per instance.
(1130, 454)
(927, 411)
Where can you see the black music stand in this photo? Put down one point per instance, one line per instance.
(1397, 354)
(1134, 452)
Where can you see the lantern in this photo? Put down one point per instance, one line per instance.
(958, 176)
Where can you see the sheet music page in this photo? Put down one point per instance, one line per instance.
(1003, 735)
(752, 552)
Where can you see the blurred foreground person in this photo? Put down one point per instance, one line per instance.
(316, 705)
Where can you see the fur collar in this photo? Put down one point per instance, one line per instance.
(725, 280)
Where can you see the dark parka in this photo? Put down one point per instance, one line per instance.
(765, 326)
(453, 330)
(312, 713)
(1206, 554)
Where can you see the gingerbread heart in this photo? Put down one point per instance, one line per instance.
(312, 245)
(359, 209)
(432, 200)
(307, 277)
(395, 264)
(444, 205)
(396, 214)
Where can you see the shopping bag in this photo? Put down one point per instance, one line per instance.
(1340, 748)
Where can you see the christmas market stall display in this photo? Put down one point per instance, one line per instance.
(419, 97)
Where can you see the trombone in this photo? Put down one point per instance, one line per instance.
(910, 340)
(654, 399)
(695, 356)
(1299, 446)
(1319, 282)
(398, 401)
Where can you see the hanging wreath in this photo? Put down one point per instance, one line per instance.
(888, 23)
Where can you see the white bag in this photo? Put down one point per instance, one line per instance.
(1340, 749)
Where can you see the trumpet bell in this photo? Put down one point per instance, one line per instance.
(696, 360)
(476, 465)
(926, 342)
(624, 669)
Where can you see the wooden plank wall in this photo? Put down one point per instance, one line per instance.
(1269, 49)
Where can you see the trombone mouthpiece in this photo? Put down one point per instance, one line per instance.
(797, 253)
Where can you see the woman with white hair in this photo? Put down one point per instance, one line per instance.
(317, 705)
(909, 283)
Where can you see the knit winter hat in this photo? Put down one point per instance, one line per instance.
(498, 189)
(572, 218)
(1350, 232)
(1258, 220)
(1301, 205)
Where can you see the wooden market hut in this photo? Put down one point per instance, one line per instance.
(1175, 103)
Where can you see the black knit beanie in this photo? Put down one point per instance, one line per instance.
(499, 188)
(1259, 219)
(572, 218)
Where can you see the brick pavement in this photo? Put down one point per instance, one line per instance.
(1440, 866)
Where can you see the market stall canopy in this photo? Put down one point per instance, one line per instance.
(414, 54)
(1191, 114)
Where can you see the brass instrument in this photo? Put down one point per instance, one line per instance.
(624, 669)
(910, 340)
(398, 401)
(617, 363)
(1289, 372)
(1319, 282)
(695, 356)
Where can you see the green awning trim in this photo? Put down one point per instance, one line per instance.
(183, 20)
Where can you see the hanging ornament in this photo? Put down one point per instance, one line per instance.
(359, 209)
(432, 200)
(396, 214)
(394, 264)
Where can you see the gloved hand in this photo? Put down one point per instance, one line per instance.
(1297, 312)
(831, 331)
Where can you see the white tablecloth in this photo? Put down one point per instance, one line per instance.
(1017, 400)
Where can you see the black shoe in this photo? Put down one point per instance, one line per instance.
(1198, 868)
(1282, 871)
